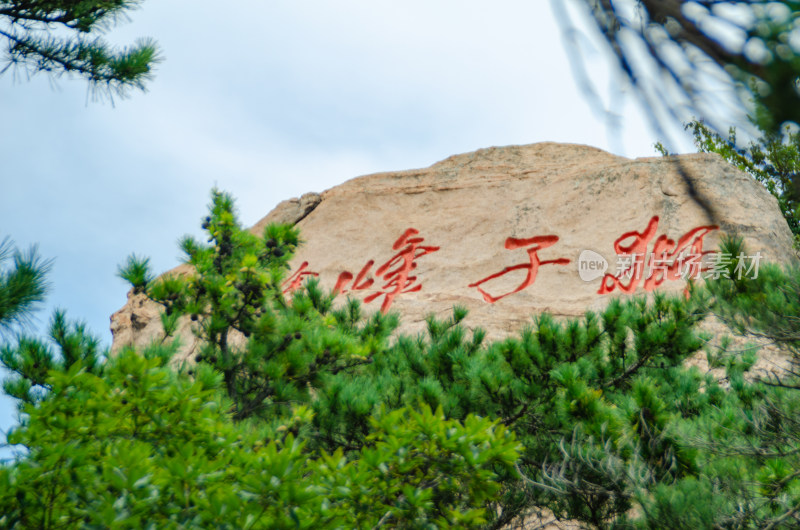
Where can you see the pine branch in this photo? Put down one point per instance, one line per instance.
(33, 44)
(15, 16)
(23, 286)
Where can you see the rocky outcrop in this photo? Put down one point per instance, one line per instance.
(510, 232)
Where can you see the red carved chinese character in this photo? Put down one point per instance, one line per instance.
(637, 248)
(538, 243)
(681, 260)
(667, 261)
(358, 285)
(296, 280)
(398, 280)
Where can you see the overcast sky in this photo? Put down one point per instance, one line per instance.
(269, 100)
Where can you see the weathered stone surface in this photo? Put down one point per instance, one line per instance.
(465, 208)
(289, 212)
(138, 323)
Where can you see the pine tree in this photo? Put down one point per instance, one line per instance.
(62, 37)
(271, 349)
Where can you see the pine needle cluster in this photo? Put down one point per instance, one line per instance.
(62, 37)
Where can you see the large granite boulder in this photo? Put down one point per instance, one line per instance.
(511, 232)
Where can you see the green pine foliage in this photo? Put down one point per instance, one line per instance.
(136, 271)
(587, 398)
(137, 445)
(62, 37)
(271, 349)
(31, 360)
(773, 160)
(23, 284)
(301, 412)
(747, 444)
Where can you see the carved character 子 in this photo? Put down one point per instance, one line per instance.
(536, 244)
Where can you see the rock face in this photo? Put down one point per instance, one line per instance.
(511, 232)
